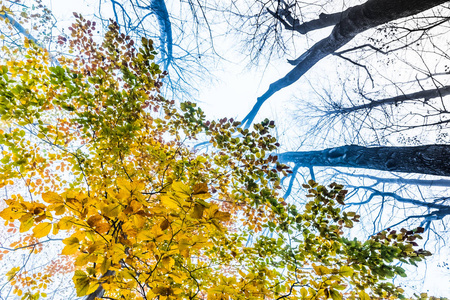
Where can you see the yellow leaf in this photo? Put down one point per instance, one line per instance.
(184, 246)
(222, 216)
(181, 189)
(133, 188)
(138, 221)
(60, 209)
(201, 191)
(363, 295)
(71, 247)
(11, 273)
(335, 295)
(105, 265)
(197, 213)
(81, 285)
(321, 270)
(111, 210)
(66, 223)
(85, 258)
(42, 229)
(169, 202)
(26, 222)
(168, 262)
(303, 292)
(145, 235)
(52, 197)
(346, 271)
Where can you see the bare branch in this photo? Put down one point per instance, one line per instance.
(430, 159)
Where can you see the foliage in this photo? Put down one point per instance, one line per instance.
(108, 167)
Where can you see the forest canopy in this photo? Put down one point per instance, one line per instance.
(101, 166)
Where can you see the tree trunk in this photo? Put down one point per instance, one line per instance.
(430, 159)
(165, 31)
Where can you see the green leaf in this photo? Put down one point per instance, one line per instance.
(335, 295)
(346, 271)
(363, 295)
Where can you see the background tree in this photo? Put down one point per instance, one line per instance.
(346, 24)
(184, 35)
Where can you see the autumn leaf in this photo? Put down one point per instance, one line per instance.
(363, 295)
(222, 216)
(201, 191)
(42, 229)
(164, 224)
(168, 262)
(321, 270)
(346, 271)
(26, 222)
(169, 202)
(197, 212)
(52, 197)
(72, 244)
(181, 189)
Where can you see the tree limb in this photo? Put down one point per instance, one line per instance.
(426, 94)
(429, 159)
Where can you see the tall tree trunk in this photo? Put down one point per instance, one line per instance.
(355, 20)
(430, 159)
(165, 30)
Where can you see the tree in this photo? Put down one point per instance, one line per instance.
(107, 168)
(346, 26)
(430, 159)
(17, 23)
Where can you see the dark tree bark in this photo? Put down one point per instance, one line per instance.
(430, 159)
(291, 23)
(355, 20)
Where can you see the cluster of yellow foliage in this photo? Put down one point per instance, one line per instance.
(108, 167)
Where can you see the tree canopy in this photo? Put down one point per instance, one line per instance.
(108, 168)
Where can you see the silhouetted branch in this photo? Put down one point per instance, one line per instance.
(430, 159)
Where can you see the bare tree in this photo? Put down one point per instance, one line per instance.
(347, 25)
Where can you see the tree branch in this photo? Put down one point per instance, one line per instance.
(429, 159)
(426, 94)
